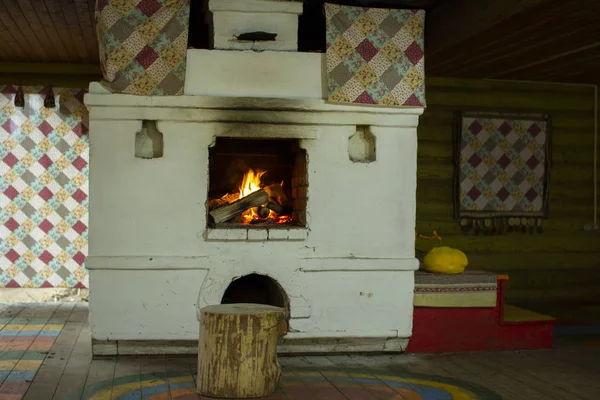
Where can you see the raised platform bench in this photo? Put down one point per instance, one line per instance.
(467, 312)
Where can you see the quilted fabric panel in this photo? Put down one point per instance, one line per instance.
(44, 156)
(375, 56)
(503, 168)
(143, 45)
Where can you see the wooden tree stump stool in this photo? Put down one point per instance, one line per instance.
(237, 353)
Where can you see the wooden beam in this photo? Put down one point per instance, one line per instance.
(49, 68)
(56, 80)
(455, 21)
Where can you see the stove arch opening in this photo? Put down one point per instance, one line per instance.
(256, 289)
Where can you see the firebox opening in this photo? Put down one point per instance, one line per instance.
(257, 183)
(256, 289)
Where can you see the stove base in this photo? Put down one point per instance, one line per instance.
(288, 346)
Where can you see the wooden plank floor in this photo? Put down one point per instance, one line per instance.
(45, 354)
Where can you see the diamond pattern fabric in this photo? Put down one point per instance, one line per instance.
(503, 166)
(44, 156)
(375, 56)
(143, 45)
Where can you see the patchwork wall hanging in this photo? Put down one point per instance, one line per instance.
(375, 56)
(44, 155)
(143, 45)
(502, 171)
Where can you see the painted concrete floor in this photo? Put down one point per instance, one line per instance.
(45, 353)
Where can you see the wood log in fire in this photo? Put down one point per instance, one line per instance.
(226, 199)
(276, 207)
(229, 211)
(263, 211)
(276, 193)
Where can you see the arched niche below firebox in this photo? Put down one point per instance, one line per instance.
(256, 289)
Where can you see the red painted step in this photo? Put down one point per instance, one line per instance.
(442, 330)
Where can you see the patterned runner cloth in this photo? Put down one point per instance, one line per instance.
(143, 45)
(469, 289)
(375, 56)
(502, 171)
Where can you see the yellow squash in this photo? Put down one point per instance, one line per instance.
(445, 260)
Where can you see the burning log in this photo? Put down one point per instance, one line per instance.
(226, 199)
(229, 211)
(276, 194)
(276, 207)
(263, 211)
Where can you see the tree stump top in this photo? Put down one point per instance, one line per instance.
(241, 309)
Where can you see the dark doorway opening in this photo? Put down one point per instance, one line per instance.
(256, 289)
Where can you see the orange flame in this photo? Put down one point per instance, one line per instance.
(251, 182)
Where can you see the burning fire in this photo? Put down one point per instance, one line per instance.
(251, 182)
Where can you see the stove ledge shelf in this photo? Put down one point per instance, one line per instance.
(256, 235)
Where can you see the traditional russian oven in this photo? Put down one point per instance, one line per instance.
(251, 187)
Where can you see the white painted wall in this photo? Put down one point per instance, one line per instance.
(138, 305)
(255, 74)
(156, 207)
(350, 274)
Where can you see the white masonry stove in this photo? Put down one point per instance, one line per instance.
(331, 239)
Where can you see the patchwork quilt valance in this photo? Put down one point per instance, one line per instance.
(502, 171)
(143, 45)
(375, 56)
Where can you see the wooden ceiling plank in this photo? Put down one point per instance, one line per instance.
(6, 53)
(72, 22)
(85, 17)
(491, 43)
(40, 13)
(26, 30)
(587, 68)
(554, 57)
(590, 78)
(453, 21)
(538, 48)
(506, 55)
(10, 45)
(511, 31)
(44, 36)
(92, 8)
(15, 32)
(585, 63)
(58, 20)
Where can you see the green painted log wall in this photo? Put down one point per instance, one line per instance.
(564, 261)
